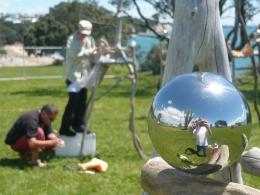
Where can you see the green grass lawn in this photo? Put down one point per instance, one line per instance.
(110, 123)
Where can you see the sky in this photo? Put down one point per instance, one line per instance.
(42, 7)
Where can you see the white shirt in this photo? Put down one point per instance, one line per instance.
(78, 53)
(201, 135)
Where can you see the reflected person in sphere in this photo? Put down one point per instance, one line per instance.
(201, 129)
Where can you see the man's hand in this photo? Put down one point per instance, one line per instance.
(60, 143)
(55, 141)
(193, 124)
(87, 52)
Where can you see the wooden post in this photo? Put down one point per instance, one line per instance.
(132, 127)
(118, 36)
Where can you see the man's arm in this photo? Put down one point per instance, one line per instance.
(192, 127)
(52, 136)
(206, 124)
(88, 48)
(34, 143)
(60, 143)
(208, 128)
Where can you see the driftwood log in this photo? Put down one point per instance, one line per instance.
(159, 178)
(250, 161)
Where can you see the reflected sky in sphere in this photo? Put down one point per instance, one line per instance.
(196, 92)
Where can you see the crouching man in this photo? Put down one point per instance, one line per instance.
(32, 133)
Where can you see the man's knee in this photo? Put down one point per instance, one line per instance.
(23, 144)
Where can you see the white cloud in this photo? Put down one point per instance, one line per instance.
(4, 3)
(8, 2)
(170, 115)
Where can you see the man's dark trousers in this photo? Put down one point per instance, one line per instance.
(74, 112)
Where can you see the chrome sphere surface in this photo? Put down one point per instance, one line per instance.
(199, 123)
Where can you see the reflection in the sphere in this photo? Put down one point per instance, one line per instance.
(198, 122)
(201, 128)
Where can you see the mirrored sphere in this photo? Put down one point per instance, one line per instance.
(199, 123)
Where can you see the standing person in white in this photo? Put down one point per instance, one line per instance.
(80, 50)
(201, 129)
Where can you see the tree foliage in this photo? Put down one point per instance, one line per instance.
(12, 32)
(61, 21)
(54, 28)
(245, 10)
(155, 59)
(248, 9)
(127, 4)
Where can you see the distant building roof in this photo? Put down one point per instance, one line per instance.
(19, 18)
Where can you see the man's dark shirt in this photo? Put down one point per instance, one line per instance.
(27, 125)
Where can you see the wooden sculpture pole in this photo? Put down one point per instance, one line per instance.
(118, 36)
(197, 42)
(133, 76)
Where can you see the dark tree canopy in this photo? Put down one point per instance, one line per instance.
(11, 33)
(61, 21)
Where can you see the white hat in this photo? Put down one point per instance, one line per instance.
(85, 27)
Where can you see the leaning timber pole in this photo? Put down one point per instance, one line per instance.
(133, 76)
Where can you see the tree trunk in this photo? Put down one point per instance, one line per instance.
(197, 39)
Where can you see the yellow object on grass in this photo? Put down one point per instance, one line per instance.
(95, 164)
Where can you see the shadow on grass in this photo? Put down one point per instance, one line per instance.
(42, 92)
(141, 118)
(45, 156)
(124, 90)
(19, 163)
(13, 163)
(126, 93)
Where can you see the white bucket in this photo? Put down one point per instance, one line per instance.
(73, 144)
